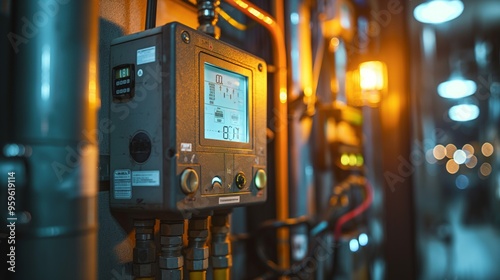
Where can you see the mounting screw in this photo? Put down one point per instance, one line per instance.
(260, 67)
(185, 37)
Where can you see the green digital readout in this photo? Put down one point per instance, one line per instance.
(123, 73)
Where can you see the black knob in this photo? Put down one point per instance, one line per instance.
(240, 180)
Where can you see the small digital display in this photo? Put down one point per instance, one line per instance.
(122, 73)
(226, 105)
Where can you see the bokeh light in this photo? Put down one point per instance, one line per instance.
(459, 156)
(429, 156)
(439, 152)
(471, 162)
(452, 167)
(485, 169)
(468, 149)
(487, 149)
(450, 150)
(462, 181)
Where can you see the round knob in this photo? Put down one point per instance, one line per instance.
(189, 181)
(240, 180)
(260, 179)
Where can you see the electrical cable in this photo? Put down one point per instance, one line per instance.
(234, 23)
(319, 227)
(356, 211)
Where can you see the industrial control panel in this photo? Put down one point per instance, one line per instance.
(190, 117)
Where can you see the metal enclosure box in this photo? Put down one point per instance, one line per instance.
(160, 159)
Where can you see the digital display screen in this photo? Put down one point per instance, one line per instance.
(122, 73)
(226, 105)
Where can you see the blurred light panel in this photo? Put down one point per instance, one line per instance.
(471, 162)
(450, 150)
(363, 239)
(459, 157)
(452, 167)
(456, 88)
(354, 245)
(462, 182)
(485, 169)
(439, 152)
(463, 112)
(487, 149)
(438, 11)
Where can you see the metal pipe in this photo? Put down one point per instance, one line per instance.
(298, 39)
(208, 16)
(280, 111)
(196, 253)
(144, 266)
(220, 247)
(171, 260)
(151, 14)
(54, 102)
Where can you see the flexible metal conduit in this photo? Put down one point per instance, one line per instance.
(280, 111)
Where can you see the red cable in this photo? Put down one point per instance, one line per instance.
(355, 212)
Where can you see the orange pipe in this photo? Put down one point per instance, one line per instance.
(280, 111)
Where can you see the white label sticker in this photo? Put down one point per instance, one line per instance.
(186, 147)
(146, 55)
(149, 178)
(229, 199)
(122, 180)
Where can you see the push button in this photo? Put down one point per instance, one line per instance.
(260, 179)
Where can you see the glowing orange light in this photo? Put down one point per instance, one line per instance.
(373, 76)
(469, 150)
(487, 149)
(471, 162)
(452, 167)
(450, 150)
(365, 85)
(439, 152)
(485, 169)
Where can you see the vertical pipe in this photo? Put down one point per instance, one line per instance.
(171, 260)
(196, 255)
(151, 14)
(144, 254)
(54, 102)
(208, 17)
(298, 39)
(5, 56)
(220, 247)
(280, 111)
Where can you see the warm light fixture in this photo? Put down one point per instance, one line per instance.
(463, 112)
(438, 11)
(372, 76)
(366, 84)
